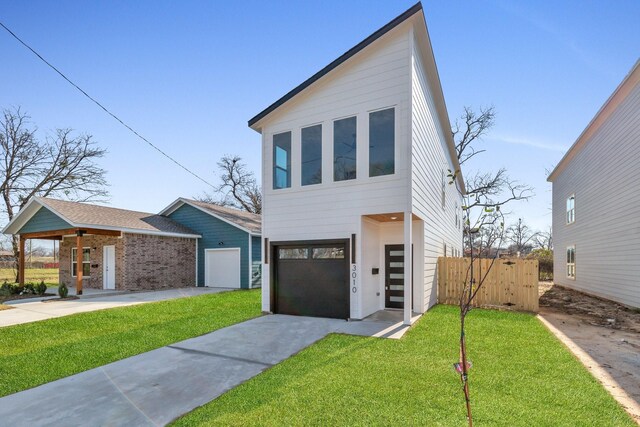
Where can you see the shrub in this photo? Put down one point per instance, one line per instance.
(545, 263)
(6, 287)
(16, 289)
(63, 291)
(41, 288)
(28, 289)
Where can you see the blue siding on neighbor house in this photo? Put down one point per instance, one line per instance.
(44, 220)
(213, 232)
(256, 260)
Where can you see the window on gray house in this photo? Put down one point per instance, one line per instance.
(282, 160)
(344, 149)
(382, 142)
(571, 262)
(311, 141)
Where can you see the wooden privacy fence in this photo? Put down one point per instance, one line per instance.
(511, 283)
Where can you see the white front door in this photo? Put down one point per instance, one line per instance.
(222, 268)
(109, 267)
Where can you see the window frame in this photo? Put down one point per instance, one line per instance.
(571, 266)
(302, 151)
(275, 167)
(571, 210)
(355, 152)
(393, 142)
(74, 260)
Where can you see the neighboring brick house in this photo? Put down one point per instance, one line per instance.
(121, 249)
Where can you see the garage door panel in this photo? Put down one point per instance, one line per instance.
(311, 286)
(222, 268)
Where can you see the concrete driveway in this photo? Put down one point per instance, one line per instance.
(25, 311)
(153, 388)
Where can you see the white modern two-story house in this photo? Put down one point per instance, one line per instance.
(357, 202)
(596, 202)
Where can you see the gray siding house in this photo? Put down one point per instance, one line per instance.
(596, 230)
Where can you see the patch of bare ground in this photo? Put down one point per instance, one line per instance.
(606, 332)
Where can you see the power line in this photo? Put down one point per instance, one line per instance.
(105, 108)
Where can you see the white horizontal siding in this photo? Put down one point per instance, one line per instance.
(375, 78)
(430, 157)
(604, 177)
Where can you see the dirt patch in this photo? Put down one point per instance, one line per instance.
(5, 307)
(592, 310)
(608, 332)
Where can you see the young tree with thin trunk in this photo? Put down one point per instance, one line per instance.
(61, 165)
(486, 195)
(238, 188)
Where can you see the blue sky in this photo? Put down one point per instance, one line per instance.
(188, 75)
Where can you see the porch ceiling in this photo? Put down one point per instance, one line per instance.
(390, 217)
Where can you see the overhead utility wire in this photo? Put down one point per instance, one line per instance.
(105, 109)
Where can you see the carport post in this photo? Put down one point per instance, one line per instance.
(408, 217)
(21, 261)
(79, 259)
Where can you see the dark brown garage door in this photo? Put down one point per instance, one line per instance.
(312, 279)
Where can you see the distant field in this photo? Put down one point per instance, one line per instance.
(49, 275)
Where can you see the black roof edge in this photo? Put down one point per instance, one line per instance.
(344, 57)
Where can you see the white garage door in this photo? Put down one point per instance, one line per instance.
(222, 268)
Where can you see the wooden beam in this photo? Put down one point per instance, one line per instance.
(21, 261)
(52, 233)
(70, 232)
(97, 231)
(79, 259)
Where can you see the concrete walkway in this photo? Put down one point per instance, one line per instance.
(28, 310)
(156, 387)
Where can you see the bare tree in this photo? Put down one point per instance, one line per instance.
(238, 188)
(61, 165)
(474, 127)
(486, 195)
(521, 237)
(544, 239)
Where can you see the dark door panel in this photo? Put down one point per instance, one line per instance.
(394, 276)
(312, 279)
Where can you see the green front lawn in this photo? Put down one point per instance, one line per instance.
(39, 352)
(49, 275)
(521, 376)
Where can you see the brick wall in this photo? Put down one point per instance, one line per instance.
(158, 262)
(143, 262)
(95, 243)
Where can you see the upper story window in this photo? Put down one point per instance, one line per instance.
(571, 262)
(382, 142)
(571, 209)
(344, 149)
(282, 160)
(311, 142)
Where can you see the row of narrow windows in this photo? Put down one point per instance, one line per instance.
(381, 150)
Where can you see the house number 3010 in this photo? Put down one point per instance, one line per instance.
(354, 275)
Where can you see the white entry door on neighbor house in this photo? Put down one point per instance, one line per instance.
(222, 268)
(109, 267)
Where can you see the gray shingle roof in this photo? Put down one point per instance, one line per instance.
(102, 216)
(246, 220)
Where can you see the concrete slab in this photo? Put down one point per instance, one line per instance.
(156, 387)
(25, 311)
